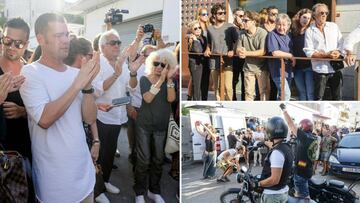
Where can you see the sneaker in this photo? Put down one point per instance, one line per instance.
(102, 199)
(112, 189)
(139, 199)
(221, 180)
(155, 197)
(117, 154)
(226, 179)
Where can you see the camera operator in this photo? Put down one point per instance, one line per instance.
(277, 164)
(306, 147)
(155, 38)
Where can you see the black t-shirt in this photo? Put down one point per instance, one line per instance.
(17, 136)
(306, 147)
(2, 126)
(298, 45)
(232, 141)
(154, 116)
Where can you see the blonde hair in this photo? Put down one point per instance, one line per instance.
(207, 23)
(192, 23)
(164, 55)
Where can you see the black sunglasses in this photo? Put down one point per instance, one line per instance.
(7, 41)
(114, 42)
(158, 63)
(246, 20)
(324, 13)
(196, 28)
(221, 13)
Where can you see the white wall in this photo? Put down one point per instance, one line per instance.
(171, 21)
(94, 21)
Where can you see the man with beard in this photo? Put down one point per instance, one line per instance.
(273, 12)
(222, 37)
(17, 137)
(58, 98)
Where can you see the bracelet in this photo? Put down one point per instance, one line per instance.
(154, 90)
(171, 85)
(96, 141)
(88, 91)
(133, 75)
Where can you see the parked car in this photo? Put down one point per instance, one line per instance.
(345, 159)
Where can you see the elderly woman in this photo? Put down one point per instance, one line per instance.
(158, 92)
(197, 43)
(303, 73)
(279, 44)
(209, 157)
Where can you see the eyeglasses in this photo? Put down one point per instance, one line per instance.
(274, 14)
(156, 64)
(204, 14)
(324, 13)
(197, 28)
(221, 13)
(114, 42)
(246, 20)
(7, 41)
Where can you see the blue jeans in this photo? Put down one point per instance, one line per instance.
(304, 81)
(301, 186)
(277, 81)
(209, 164)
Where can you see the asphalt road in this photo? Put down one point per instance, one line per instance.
(124, 178)
(194, 189)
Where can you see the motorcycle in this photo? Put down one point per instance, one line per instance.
(321, 191)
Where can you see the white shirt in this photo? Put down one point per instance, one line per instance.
(136, 97)
(231, 151)
(352, 39)
(63, 170)
(277, 160)
(117, 115)
(316, 42)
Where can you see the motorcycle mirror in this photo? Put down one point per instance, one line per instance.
(244, 169)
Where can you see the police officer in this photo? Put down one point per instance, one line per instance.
(277, 164)
(305, 153)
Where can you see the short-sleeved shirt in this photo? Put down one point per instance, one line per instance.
(327, 143)
(298, 42)
(63, 170)
(306, 147)
(253, 43)
(232, 153)
(154, 116)
(278, 42)
(221, 40)
(232, 140)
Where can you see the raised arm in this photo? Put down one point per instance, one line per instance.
(288, 119)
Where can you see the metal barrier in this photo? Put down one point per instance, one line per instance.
(282, 86)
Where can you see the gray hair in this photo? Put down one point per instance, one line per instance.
(164, 55)
(283, 16)
(103, 38)
(319, 5)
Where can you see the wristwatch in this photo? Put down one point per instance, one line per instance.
(88, 91)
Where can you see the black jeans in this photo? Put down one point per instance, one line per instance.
(150, 156)
(238, 79)
(333, 80)
(108, 135)
(196, 74)
(205, 78)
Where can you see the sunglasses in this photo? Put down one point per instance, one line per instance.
(156, 64)
(19, 44)
(274, 14)
(204, 14)
(246, 20)
(221, 13)
(196, 28)
(114, 42)
(324, 13)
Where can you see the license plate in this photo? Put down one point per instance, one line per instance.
(352, 170)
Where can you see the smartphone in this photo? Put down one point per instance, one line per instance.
(121, 101)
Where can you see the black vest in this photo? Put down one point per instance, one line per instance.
(285, 149)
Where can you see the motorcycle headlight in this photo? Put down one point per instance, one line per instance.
(333, 159)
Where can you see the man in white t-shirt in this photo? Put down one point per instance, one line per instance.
(111, 83)
(277, 164)
(229, 161)
(58, 98)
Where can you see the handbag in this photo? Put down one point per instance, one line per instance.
(173, 136)
(13, 182)
(337, 65)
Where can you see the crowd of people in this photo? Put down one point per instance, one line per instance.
(58, 110)
(267, 33)
(284, 145)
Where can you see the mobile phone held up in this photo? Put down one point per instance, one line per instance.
(121, 101)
